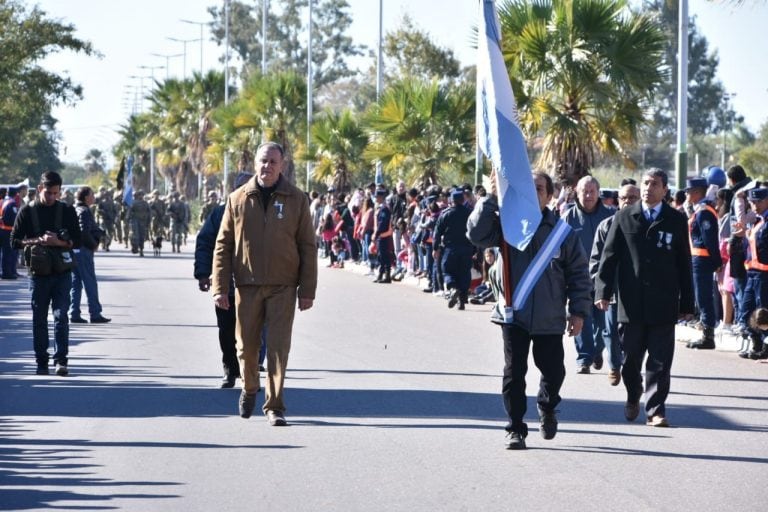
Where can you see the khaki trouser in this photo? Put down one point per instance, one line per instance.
(255, 306)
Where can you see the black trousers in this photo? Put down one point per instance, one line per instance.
(225, 321)
(659, 342)
(548, 355)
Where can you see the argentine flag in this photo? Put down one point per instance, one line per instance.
(128, 193)
(499, 136)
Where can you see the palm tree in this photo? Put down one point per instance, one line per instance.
(182, 113)
(94, 161)
(274, 105)
(583, 73)
(421, 128)
(339, 141)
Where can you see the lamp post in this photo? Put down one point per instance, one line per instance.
(167, 60)
(264, 11)
(225, 188)
(201, 24)
(141, 89)
(184, 42)
(309, 93)
(726, 98)
(379, 80)
(152, 146)
(152, 70)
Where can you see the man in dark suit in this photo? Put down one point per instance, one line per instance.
(647, 250)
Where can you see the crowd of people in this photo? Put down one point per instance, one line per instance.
(713, 253)
(617, 272)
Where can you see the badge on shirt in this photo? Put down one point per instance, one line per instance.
(279, 208)
(665, 237)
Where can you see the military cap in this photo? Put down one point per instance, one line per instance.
(758, 194)
(382, 192)
(695, 183)
(457, 193)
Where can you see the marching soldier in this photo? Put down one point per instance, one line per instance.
(177, 214)
(139, 216)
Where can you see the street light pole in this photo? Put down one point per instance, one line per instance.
(379, 80)
(184, 42)
(202, 24)
(264, 12)
(309, 93)
(167, 61)
(726, 98)
(682, 95)
(152, 146)
(225, 187)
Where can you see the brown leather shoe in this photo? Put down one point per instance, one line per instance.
(631, 410)
(657, 421)
(276, 418)
(614, 377)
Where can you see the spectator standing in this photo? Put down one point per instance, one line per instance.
(453, 250)
(704, 239)
(756, 290)
(84, 272)
(8, 212)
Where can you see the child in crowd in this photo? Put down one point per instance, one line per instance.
(327, 231)
(484, 293)
(338, 251)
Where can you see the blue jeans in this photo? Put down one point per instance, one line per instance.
(590, 343)
(703, 288)
(84, 276)
(739, 285)
(46, 291)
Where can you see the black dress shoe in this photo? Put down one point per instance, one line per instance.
(228, 381)
(78, 320)
(246, 405)
(100, 320)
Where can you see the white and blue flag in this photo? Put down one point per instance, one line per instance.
(499, 136)
(128, 193)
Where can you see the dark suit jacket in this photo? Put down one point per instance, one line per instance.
(652, 263)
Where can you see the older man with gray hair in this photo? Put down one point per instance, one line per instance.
(584, 217)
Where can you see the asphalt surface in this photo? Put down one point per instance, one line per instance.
(393, 404)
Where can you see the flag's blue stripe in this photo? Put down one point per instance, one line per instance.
(539, 264)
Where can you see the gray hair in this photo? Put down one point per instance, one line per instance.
(586, 180)
(271, 145)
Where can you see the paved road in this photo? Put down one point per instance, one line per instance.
(393, 401)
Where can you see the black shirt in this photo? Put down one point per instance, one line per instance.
(23, 228)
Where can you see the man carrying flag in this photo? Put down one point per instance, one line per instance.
(544, 266)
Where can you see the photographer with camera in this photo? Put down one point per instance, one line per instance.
(47, 230)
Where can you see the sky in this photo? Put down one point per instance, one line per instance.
(128, 32)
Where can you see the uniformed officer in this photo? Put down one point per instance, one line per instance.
(705, 253)
(382, 234)
(139, 216)
(453, 250)
(756, 291)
